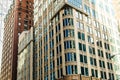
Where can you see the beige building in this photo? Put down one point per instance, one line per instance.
(7, 51)
(73, 37)
(25, 56)
(116, 6)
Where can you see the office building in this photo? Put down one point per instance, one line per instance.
(116, 7)
(25, 56)
(4, 6)
(6, 65)
(18, 19)
(73, 38)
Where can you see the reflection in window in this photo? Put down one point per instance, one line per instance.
(90, 39)
(69, 33)
(79, 15)
(68, 22)
(70, 57)
(69, 44)
(79, 25)
(68, 11)
(71, 69)
(93, 61)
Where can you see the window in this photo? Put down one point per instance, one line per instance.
(52, 76)
(51, 33)
(84, 71)
(58, 28)
(52, 43)
(100, 53)
(111, 76)
(106, 46)
(94, 73)
(68, 22)
(104, 28)
(46, 68)
(59, 48)
(82, 47)
(87, 9)
(93, 13)
(81, 36)
(57, 17)
(59, 72)
(68, 11)
(105, 37)
(91, 50)
(89, 30)
(109, 65)
(79, 15)
(51, 54)
(70, 57)
(90, 39)
(71, 69)
(108, 55)
(58, 38)
(80, 25)
(101, 63)
(103, 75)
(45, 48)
(83, 58)
(93, 61)
(45, 39)
(69, 33)
(69, 44)
(59, 60)
(98, 34)
(99, 43)
(52, 65)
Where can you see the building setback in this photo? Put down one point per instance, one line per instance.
(18, 19)
(73, 38)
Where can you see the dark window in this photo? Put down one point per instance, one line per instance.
(82, 47)
(68, 22)
(84, 71)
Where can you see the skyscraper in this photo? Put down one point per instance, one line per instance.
(73, 38)
(18, 19)
(116, 7)
(3, 11)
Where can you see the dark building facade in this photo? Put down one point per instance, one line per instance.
(18, 19)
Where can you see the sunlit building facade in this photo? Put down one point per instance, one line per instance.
(25, 56)
(116, 6)
(73, 37)
(18, 19)
(7, 58)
